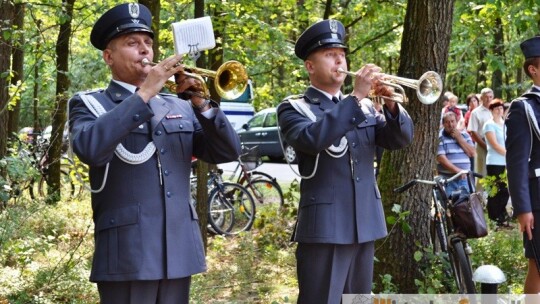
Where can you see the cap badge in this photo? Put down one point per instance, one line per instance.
(134, 10)
(333, 26)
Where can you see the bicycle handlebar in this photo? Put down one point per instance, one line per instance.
(441, 179)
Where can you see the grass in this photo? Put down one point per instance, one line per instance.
(46, 251)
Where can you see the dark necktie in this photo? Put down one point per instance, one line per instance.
(335, 99)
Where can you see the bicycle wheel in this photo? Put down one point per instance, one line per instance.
(266, 192)
(245, 177)
(439, 240)
(462, 268)
(68, 187)
(231, 209)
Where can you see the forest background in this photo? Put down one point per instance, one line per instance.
(45, 57)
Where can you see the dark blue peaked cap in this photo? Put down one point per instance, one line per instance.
(323, 34)
(531, 47)
(121, 19)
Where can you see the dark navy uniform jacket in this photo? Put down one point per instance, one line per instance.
(523, 169)
(341, 204)
(145, 226)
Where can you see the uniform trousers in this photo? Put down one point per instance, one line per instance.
(173, 291)
(327, 271)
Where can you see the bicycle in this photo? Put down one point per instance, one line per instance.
(263, 187)
(231, 208)
(444, 237)
(73, 175)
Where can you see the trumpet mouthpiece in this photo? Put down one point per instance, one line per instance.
(145, 62)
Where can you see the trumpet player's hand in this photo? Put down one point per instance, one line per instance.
(526, 224)
(190, 88)
(364, 80)
(158, 75)
(388, 94)
(391, 106)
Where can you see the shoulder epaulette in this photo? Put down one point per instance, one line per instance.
(297, 97)
(167, 94)
(91, 91)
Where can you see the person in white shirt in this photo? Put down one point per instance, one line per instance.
(478, 118)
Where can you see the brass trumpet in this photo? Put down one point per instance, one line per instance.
(428, 87)
(230, 79)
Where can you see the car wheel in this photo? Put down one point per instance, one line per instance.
(290, 154)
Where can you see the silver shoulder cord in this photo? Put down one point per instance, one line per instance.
(131, 158)
(334, 151)
(533, 124)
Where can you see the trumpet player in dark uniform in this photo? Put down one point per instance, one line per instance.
(340, 214)
(523, 162)
(138, 144)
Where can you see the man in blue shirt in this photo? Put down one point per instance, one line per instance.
(454, 152)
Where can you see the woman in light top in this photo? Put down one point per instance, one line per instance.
(495, 162)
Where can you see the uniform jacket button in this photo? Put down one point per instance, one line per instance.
(353, 120)
(166, 172)
(169, 194)
(181, 126)
(158, 132)
(136, 117)
(162, 150)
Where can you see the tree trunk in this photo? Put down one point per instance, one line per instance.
(327, 9)
(6, 16)
(59, 116)
(155, 8)
(202, 167)
(17, 66)
(498, 51)
(424, 46)
(38, 126)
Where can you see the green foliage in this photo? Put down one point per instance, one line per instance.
(18, 172)
(400, 218)
(436, 272)
(503, 249)
(44, 253)
(491, 184)
(388, 287)
(232, 277)
(274, 226)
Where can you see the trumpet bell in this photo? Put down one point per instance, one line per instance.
(429, 87)
(231, 80)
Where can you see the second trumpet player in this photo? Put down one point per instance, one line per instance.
(335, 136)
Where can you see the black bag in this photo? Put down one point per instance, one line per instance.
(468, 214)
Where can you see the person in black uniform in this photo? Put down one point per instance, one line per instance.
(340, 214)
(138, 144)
(523, 161)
